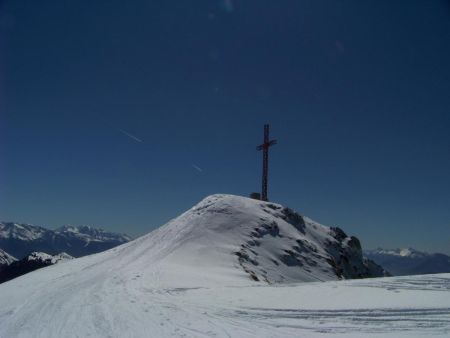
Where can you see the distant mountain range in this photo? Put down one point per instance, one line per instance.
(402, 262)
(19, 240)
(25, 247)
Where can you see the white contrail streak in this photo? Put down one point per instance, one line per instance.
(197, 168)
(130, 135)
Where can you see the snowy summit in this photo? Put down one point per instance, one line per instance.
(232, 239)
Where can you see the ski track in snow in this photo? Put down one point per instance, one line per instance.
(134, 307)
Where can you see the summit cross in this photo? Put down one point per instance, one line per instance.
(265, 148)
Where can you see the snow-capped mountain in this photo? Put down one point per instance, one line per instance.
(265, 241)
(21, 239)
(5, 259)
(401, 262)
(46, 258)
(33, 261)
(224, 268)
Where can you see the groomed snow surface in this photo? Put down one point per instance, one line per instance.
(185, 279)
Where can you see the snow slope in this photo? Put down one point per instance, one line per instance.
(133, 306)
(192, 278)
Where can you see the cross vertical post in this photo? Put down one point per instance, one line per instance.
(265, 148)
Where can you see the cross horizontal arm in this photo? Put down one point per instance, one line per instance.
(266, 145)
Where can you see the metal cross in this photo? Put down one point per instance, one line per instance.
(265, 148)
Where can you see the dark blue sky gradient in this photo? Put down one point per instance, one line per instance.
(357, 93)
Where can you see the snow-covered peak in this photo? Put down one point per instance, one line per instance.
(68, 228)
(38, 256)
(408, 252)
(227, 237)
(6, 258)
(46, 258)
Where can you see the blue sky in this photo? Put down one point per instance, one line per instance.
(356, 92)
